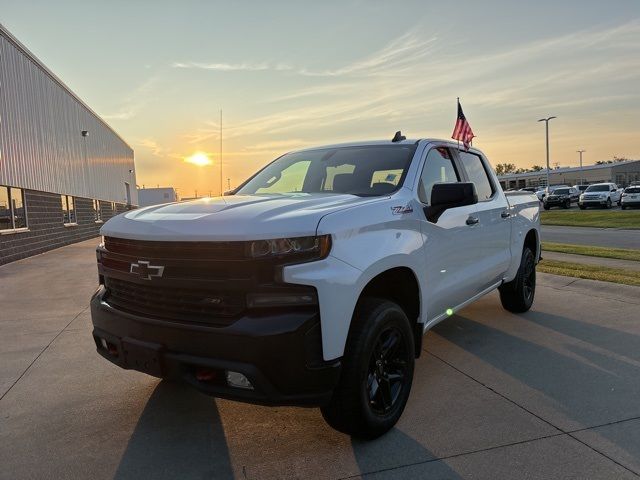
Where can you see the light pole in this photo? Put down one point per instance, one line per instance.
(581, 152)
(546, 122)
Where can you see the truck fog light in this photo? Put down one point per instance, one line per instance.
(258, 300)
(238, 380)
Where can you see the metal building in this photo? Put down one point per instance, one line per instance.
(63, 170)
(156, 196)
(621, 173)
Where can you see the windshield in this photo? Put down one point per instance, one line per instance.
(561, 191)
(632, 190)
(365, 171)
(598, 188)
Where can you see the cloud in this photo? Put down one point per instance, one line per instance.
(123, 115)
(151, 145)
(413, 81)
(134, 101)
(396, 58)
(233, 67)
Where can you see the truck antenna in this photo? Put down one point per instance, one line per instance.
(398, 137)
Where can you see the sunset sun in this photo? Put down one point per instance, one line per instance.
(200, 159)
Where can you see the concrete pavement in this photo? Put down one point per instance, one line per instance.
(601, 237)
(547, 394)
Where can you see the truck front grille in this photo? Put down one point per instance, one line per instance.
(176, 304)
(204, 283)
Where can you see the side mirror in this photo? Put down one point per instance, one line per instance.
(450, 195)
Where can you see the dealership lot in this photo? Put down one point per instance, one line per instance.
(552, 393)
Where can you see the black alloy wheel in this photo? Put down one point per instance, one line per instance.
(387, 374)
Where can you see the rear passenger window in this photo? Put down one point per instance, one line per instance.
(477, 174)
(438, 168)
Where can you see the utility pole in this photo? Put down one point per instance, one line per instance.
(220, 152)
(546, 122)
(581, 173)
(228, 184)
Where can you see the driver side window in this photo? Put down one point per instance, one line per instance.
(438, 168)
(290, 180)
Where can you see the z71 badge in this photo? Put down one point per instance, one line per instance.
(402, 210)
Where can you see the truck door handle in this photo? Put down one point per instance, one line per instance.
(473, 220)
(505, 214)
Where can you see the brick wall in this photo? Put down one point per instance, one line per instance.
(46, 230)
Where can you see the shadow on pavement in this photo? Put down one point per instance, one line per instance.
(586, 390)
(178, 435)
(616, 341)
(586, 386)
(398, 449)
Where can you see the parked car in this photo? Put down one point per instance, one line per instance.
(314, 281)
(547, 190)
(630, 197)
(529, 189)
(561, 197)
(600, 195)
(581, 188)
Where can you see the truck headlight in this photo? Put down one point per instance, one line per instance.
(315, 247)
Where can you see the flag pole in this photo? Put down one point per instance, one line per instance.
(457, 109)
(221, 152)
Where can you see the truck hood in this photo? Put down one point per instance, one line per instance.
(235, 217)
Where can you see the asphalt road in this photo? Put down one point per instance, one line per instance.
(604, 237)
(552, 393)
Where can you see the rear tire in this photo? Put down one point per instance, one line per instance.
(582, 207)
(377, 371)
(517, 295)
(547, 207)
(623, 207)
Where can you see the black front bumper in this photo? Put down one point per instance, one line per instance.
(280, 354)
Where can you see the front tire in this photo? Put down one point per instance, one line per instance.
(547, 207)
(582, 207)
(608, 203)
(377, 371)
(517, 295)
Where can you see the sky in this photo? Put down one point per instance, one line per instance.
(295, 74)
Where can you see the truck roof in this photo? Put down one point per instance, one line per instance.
(364, 143)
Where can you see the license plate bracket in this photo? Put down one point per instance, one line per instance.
(143, 356)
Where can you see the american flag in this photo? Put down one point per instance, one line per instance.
(462, 131)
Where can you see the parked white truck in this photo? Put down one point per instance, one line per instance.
(314, 281)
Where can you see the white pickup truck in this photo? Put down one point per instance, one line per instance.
(313, 283)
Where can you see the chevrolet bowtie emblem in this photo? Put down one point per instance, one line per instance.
(145, 270)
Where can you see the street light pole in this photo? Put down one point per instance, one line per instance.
(581, 152)
(546, 122)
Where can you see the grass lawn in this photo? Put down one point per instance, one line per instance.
(592, 218)
(591, 272)
(605, 252)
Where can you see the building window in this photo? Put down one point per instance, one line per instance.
(68, 210)
(97, 213)
(13, 214)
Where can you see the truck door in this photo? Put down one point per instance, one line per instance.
(449, 242)
(492, 255)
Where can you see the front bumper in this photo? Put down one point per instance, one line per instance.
(556, 203)
(593, 203)
(279, 353)
(630, 203)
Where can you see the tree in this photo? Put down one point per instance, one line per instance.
(505, 168)
(619, 159)
(536, 168)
